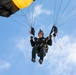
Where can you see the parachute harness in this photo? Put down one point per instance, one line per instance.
(53, 32)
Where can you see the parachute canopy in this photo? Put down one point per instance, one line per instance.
(9, 7)
(22, 3)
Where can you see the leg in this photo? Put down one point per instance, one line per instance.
(42, 54)
(34, 53)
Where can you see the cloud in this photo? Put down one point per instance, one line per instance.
(38, 10)
(62, 62)
(57, 61)
(4, 65)
(22, 45)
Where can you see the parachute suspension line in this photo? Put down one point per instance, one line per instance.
(31, 15)
(69, 17)
(54, 12)
(25, 16)
(59, 41)
(21, 18)
(29, 21)
(58, 13)
(68, 20)
(33, 19)
(18, 23)
(57, 44)
(57, 5)
(33, 23)
(21, 15)
(64, 11)
(57, 10)
(68, 13)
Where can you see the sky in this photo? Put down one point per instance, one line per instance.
(15, 48)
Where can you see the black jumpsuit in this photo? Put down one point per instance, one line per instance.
(39, 46)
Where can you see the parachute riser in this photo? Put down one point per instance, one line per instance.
(54, 30)
(32, 32)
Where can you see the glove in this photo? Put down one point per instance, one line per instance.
(32, 31)
(54, 35)
(31, 37)
(35, 38)
(50, 36)
(55, 29)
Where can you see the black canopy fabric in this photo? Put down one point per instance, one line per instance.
(7, 8)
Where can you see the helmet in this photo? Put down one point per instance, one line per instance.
(40, 31)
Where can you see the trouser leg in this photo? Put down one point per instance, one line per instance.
(34, 52)
(42, 53)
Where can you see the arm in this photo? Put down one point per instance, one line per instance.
(54, 30)
(32, 42)
(49, 40)
(32, 32)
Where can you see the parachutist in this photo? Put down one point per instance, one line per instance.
(40, 46)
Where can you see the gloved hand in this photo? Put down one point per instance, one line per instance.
(50, 36)
(54, 35)
(31, 37)
(35, 38)
(55, 31)
(32, 31)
